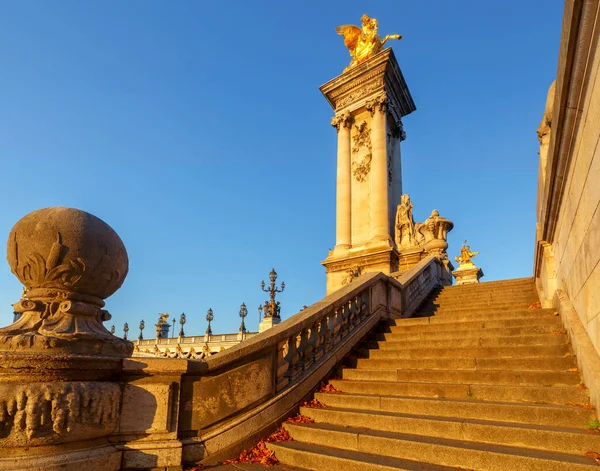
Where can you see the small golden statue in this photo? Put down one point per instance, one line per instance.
(363, 43)
(465, 255)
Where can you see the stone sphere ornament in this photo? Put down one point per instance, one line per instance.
(69, 261)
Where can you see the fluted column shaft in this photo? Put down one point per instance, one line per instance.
(379, 171)
(343, 216)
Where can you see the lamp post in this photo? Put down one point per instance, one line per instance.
(272, 308)
(182, 320)
(260, 310)
(125, 330)
(243, 313)
(209, 318)
(142, 326)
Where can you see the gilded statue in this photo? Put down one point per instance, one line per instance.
(363, 43)
(465, 255)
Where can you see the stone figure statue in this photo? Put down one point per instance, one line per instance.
(405, 224)
(465, 255)
(363, 43)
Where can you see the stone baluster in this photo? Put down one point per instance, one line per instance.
(303, 349)
(292, 357)
(324, 337)
(282, 365)
(313, 342)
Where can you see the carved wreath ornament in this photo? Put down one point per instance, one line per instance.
(360, 140)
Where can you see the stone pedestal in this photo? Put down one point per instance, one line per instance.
(409, 257)
(59, 393)
(369, 101)
(268, 322)
(467, 274)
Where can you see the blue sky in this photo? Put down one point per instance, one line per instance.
(197, 131)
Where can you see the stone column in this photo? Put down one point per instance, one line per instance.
(343, 124)
(380, 230)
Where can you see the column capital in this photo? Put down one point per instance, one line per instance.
(379, 103)
(344, 119)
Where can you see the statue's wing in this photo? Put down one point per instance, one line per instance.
(351, 34)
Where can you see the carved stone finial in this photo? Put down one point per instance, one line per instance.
(435, 231)
(69, 261)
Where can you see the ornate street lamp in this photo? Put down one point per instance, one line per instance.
(142, 325)
(260, 310)
(209, 318)
(243, 313)
(182, 320)
(272, 308)
(125, 330)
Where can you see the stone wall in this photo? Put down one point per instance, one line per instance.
(567, 267)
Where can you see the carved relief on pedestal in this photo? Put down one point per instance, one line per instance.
(49, 413)
(361, 140)
(352, 274)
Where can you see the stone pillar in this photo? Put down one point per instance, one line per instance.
(343, 125)
(374, 96)
(380, 217)
(59, 392)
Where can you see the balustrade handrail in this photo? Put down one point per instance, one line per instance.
(295, 324)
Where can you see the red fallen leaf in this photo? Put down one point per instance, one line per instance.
(573, 369)
(536, 305)
(314, 404)
(583, 406)
(593, 454)
(327, 388)
(582, 386)
(300, 419)
(260, 454)
(198, 467)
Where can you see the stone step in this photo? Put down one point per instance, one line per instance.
(535, 414)
(457, 309)
(454, 310)
(318, 457)
(387, 350)
(441, 323)
(487, 341)
(492, 294)
(480, 364)
(354, 444)
(561, 440)
(498, 284)
(457, 332)
(446, 318)
(481, 392)
(531, 378)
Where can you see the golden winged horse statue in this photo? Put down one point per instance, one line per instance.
(363, 43)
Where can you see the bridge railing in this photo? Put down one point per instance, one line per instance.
(226, 402)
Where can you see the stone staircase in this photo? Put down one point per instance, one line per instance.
(479, 381)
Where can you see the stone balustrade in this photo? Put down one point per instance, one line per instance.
(73, 397)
